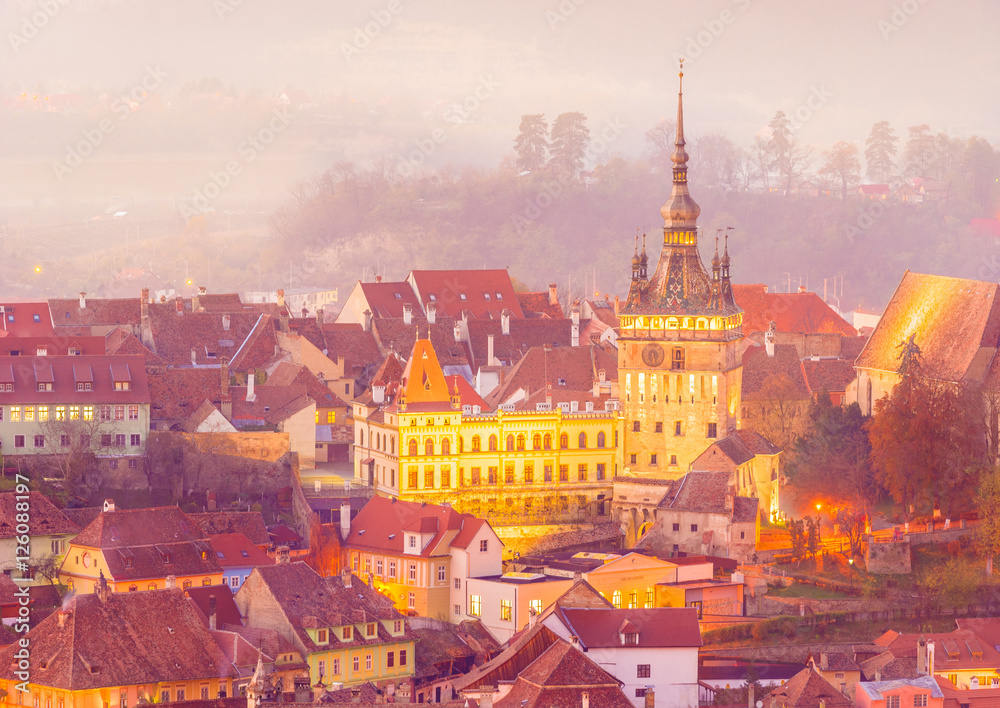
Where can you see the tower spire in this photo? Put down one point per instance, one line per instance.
(680, 212)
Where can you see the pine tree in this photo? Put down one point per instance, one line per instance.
(841, 164)
(880, 152)
(532, 142)
(570, 139)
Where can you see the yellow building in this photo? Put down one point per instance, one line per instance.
(139, 549)
(113, 649)
(432, 438)
(678, 358)
(344, 628)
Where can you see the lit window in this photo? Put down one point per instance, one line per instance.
(506, 610)
(475, 606)
(616, 599)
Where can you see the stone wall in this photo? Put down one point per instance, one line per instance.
(888, 558)
(530, 539)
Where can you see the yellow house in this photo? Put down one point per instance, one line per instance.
(140, 549)
(345, 630)
(432, 438)
(113, 649)
(49, 528)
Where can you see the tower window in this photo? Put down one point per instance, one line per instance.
(677, 359)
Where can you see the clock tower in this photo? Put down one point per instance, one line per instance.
(679, 330)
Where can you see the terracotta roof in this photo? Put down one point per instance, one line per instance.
(258, 348)
(248, 523)
(64, 372)
(423, 385)
(54, 345)
(175, 336)
(309, 328)
(656, 627)
(960, 698)
(955, 322)
(234, 550)
(45, 518)
(241, 645)
(559, 678)
(830, 375)
(381, 522)
(271, 404)
(570, 368)
(791, 312)
(287, 374)
(282, 534)
(835, 661)
(25, 319)
(306, 598)
(539, 305)
(98, 312)
(386, 299)
(522, 649)
(121, 342)
(850, 347)
(176, 393)
(484, 293)
(954, 649)
(524, 334)
(226, 612)
(755, 442)
(220, 302)
(130, 638)
(805, 690)
(357, 347)
(739, 447)
(82, 516)
(745, 509)
(889, 667)
(759, 369)
(397, 336)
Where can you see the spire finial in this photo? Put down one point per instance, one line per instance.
(681, 211)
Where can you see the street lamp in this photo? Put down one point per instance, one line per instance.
(850, 562)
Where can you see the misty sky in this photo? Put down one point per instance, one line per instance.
(938, 64)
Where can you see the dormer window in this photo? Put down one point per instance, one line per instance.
(397, 626)
(413, 541)
(42, 351)
(432, 297)
(37, 318)
(631, 638)
(348, 633)
(321, 637)
(44, 386)
(398, 296)
(84, 386)
(370, 629)
(123, 385)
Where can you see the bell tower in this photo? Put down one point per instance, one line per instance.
(678, 340)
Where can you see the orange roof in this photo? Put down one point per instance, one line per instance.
(791, 312)
(423, 378)
(954, 321)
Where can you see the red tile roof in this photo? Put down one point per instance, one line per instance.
(97, 313)
(258, 348)
(380, 524)
(176, 393)
(484, 293)
(271, 405)
(357, 347)
(234, 550)
(539, 305)
(806, 689)
(578, 367)
(760, 369)
(955, 322)
(54, 345)
(830, 375)
(395, 335)
(598, 628)
(175, 336)
(248, 523)
(45, 518)
(64, 372)
(387, 299)
(791, 312)
(129, 639)
(699, 491)
(226, 612)
(25, 319)
(739, 447)
(287, 374)
(524, 334)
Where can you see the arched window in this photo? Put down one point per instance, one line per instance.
(206, 582)
(600, 439)
(564, 442)
(547, 442)
(493, 443)
(428, 447)
(616, 599)
(510, 442)
(536, 442)
(133, 587)
(476, 443)
(869, 397)
(583, 441)
(186, 584)
(461, 444)
(377, 441)
(445, 446)
(392, 446)
(361, 437)
(151, 586)
(413, 447)
(520, 442)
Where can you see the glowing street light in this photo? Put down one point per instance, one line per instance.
(38, 269)
(850, 562)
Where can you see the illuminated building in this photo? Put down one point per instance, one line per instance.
(678, 358)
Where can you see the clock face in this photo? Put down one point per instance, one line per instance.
(652, 354)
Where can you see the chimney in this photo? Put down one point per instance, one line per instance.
(101, 589)
(281, 556)
(432, 314)
(769, 339)
(553, 295)
(489, 350)
(486, 699)
(224, 376)
(345, 520)
(575, 329)
(226, 320)
(202, 290)
(618, 305)
(378, 393)
(585, 700)
(144, 310)
(802, 288)
(822, 703)
(729, 501)
(345, 576)
(505, 322)
(194, 357)
(281, 298)
(196, 299)
(109, 505)
(283, 320)
(922, 656)
(179, 305)
(548, 393)
(63, 615)
(319, 316)
(251, 380)
(211, 612)
(930, 658)
(171, 582)
(532, 617)
(83, 301)
(824, 661)
(368, 320)
(651, 697)
(407, 313)
(458, 332)
(577, 577)
(574, 641)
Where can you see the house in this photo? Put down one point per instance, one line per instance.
(433, 438)
(702, 515)
(49, 533)
(807, 689)
(483, 293)
(839, 668)
(541, 304)
(249, 523)
(446, 653)
(775, 395)
(922, 691)
(347, 632)
(248, 647)
(285, 409)
(420, 555)
(643, 648)
(878, 192)
(55, 345)
(754, 465)
(122, 649)
(53, 405)
(538, 669)
(829, 375)
(26, 319)
(237, 556)
(135, 549)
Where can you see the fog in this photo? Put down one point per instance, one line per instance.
(138, 107)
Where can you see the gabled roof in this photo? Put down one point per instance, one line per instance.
(759, 369)
(176, 393)
(128, 639)
(357, 347)
(570, 368)
(830, 375)
(248, 523)
(54, 345)
(954, 321)
(386, 299)
(655, 627)
(806, 689)
(206, 333)
(271, 405)
(396, 335)
(791, 312)
(423, 384)
(226, 612)
(539, 305)
(739, 447)
(45, 518)
(234, 550)
(97, 312)
(484, 293)
(26, 319)
(521, 651)
(382, 522)
(288, 374)
(64, 372)
(524, 334)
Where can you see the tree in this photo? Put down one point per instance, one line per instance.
(853, 523)
(841, 164)
(880, 152)
(789, 157)
(979, 166)
(570, 139)
(812, 535)
(715, 160)
(777, 411)
(532, 142)
(919, 151)
(987, 503)
(797, 531)
(660, 139)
